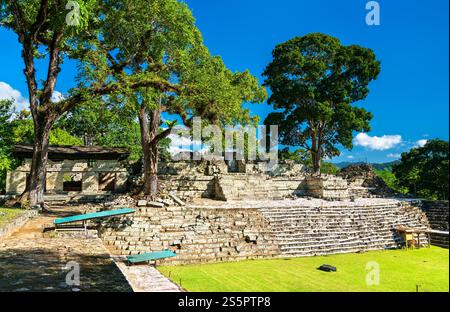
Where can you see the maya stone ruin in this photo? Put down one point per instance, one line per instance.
(211, 211)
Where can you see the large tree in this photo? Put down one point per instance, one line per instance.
(47, 30)
(424, 170)
(163, 42)
(314, 81)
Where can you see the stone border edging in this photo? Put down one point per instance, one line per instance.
(16, 223)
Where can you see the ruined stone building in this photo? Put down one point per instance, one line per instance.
(249, 212)
(73, 169)
(93, 170)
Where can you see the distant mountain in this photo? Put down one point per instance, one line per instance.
(377, 166)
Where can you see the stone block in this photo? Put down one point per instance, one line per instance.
(155, 204)
(142, 203)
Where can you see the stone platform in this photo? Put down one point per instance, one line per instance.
(211, 231)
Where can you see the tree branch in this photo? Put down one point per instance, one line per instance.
(162, 135)
(109, 89)
(53, 68)
(40, 19)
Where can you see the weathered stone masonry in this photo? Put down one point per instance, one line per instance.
(196, 234)
(437, 214)
(73, 169)
(228, 234)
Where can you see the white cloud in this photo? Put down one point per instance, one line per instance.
(350, 157)
(20, 102)
(8, 92)
(377, 143)
(184, 144)
(57, 97)
(421, 143)
(396, 156)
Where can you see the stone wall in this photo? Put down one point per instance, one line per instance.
(189, 186)
(195, 234)
(256, 186)
(327, 187)
(199, 234)
(211, 179)
(12, 225)
(437, 213)
(58, 171)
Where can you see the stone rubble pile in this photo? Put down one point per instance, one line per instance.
(121, 200)
(364, 182)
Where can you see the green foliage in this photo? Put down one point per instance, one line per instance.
(161, 43)
(390, 180)
(8, 214)
(301, 156)
(212, 91)
(6, 138)
(329, 168)
(23, 130)
(314, 80)
(424, 170)
(325, 168)
(19, 129)
(55, 18)
(104, 123)
(62, 137)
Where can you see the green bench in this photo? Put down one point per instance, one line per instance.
(150, 256)
(59, 223)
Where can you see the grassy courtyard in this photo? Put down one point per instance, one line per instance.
(400, 271)
(7, 214)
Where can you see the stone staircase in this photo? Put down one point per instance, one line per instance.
(256, 187)
(312, 231)
(200, 234)
(437, 213)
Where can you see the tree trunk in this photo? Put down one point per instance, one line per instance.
(34, 193)
(149, 125)
(315, 152)
(151, 170)
(315, 162)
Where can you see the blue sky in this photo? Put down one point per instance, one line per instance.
(409, 100)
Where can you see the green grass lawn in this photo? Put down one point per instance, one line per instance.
(400, 270)
(7, 214)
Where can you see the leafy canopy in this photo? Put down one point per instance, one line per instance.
(314, 79)
(161, 44)
(424, 170)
